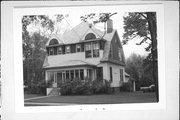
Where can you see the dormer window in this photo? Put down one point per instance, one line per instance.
(68, 49)
(78, 48)
(90, 36)
(59, 50)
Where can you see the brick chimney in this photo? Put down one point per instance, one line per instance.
(109, 26)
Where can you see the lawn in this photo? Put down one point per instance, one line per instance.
(123, 97)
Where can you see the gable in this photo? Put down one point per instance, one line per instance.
(116, 50)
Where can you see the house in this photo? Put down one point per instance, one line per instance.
(85, 51)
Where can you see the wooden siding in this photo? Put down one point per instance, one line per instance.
(114, 49)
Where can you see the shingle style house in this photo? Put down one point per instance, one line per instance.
(85, 51)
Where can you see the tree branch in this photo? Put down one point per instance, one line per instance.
(142, 15)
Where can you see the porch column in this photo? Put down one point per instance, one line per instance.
(85, 72)
(94, 74)
(46, 76)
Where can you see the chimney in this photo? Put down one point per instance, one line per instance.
(109, 26)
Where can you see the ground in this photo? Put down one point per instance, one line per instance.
(123, 97)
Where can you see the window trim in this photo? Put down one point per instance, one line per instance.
(90, 50)
(58, 53)
(66, 49)
(77, 47)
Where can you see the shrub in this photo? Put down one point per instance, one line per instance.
(38, 88)
(101, 86)
(126, 87)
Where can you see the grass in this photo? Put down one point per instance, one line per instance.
(123, 97)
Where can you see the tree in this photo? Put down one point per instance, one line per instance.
(143, 25)
(34, 45)
(134, 67)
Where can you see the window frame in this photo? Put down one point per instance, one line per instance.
(95, 48)
(67, 52)
(78, 45)
(88, 51)
(58, 52)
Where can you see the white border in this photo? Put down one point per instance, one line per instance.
(18, 78)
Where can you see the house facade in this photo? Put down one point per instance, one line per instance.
(85, 52)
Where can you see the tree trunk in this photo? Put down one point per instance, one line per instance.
(151, 16)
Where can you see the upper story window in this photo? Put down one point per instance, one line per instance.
(59, 50)
(78, 48)
(90, 36)
(51, 51)
(119, 53)
(95, 49)
(53, 42)
(88, 52)
(67, 49)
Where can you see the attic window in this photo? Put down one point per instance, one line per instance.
(90, 36)
(53, 42)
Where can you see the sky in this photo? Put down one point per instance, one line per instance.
(72, 18)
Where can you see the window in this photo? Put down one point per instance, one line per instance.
(89, 73)
(59, 50)
(67, 49)
(51, 51)
(90, 36)
(119, 53)
(88, 50)
(95, 50)
(111, 76)
(76, 73)
(72, 74)
(78, 48)
(81, 74)
(121, 75)
(67, 74)
(99, 72)
(53, 42)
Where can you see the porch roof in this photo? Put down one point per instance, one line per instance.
(70, 63)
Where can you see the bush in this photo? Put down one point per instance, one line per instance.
(126, 87)
(87, 87)
(100, 86)
(38, 88)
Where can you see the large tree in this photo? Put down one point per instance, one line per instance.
(142, 25)
(134, 67)
(34, 45)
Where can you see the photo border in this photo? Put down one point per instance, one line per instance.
(165, 109)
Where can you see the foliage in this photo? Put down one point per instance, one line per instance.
(101, 86)
(143, 25)
(126, 87)
(34, 50)
(134, 67)
(87, 87)
(39, 88)
(97, 18)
